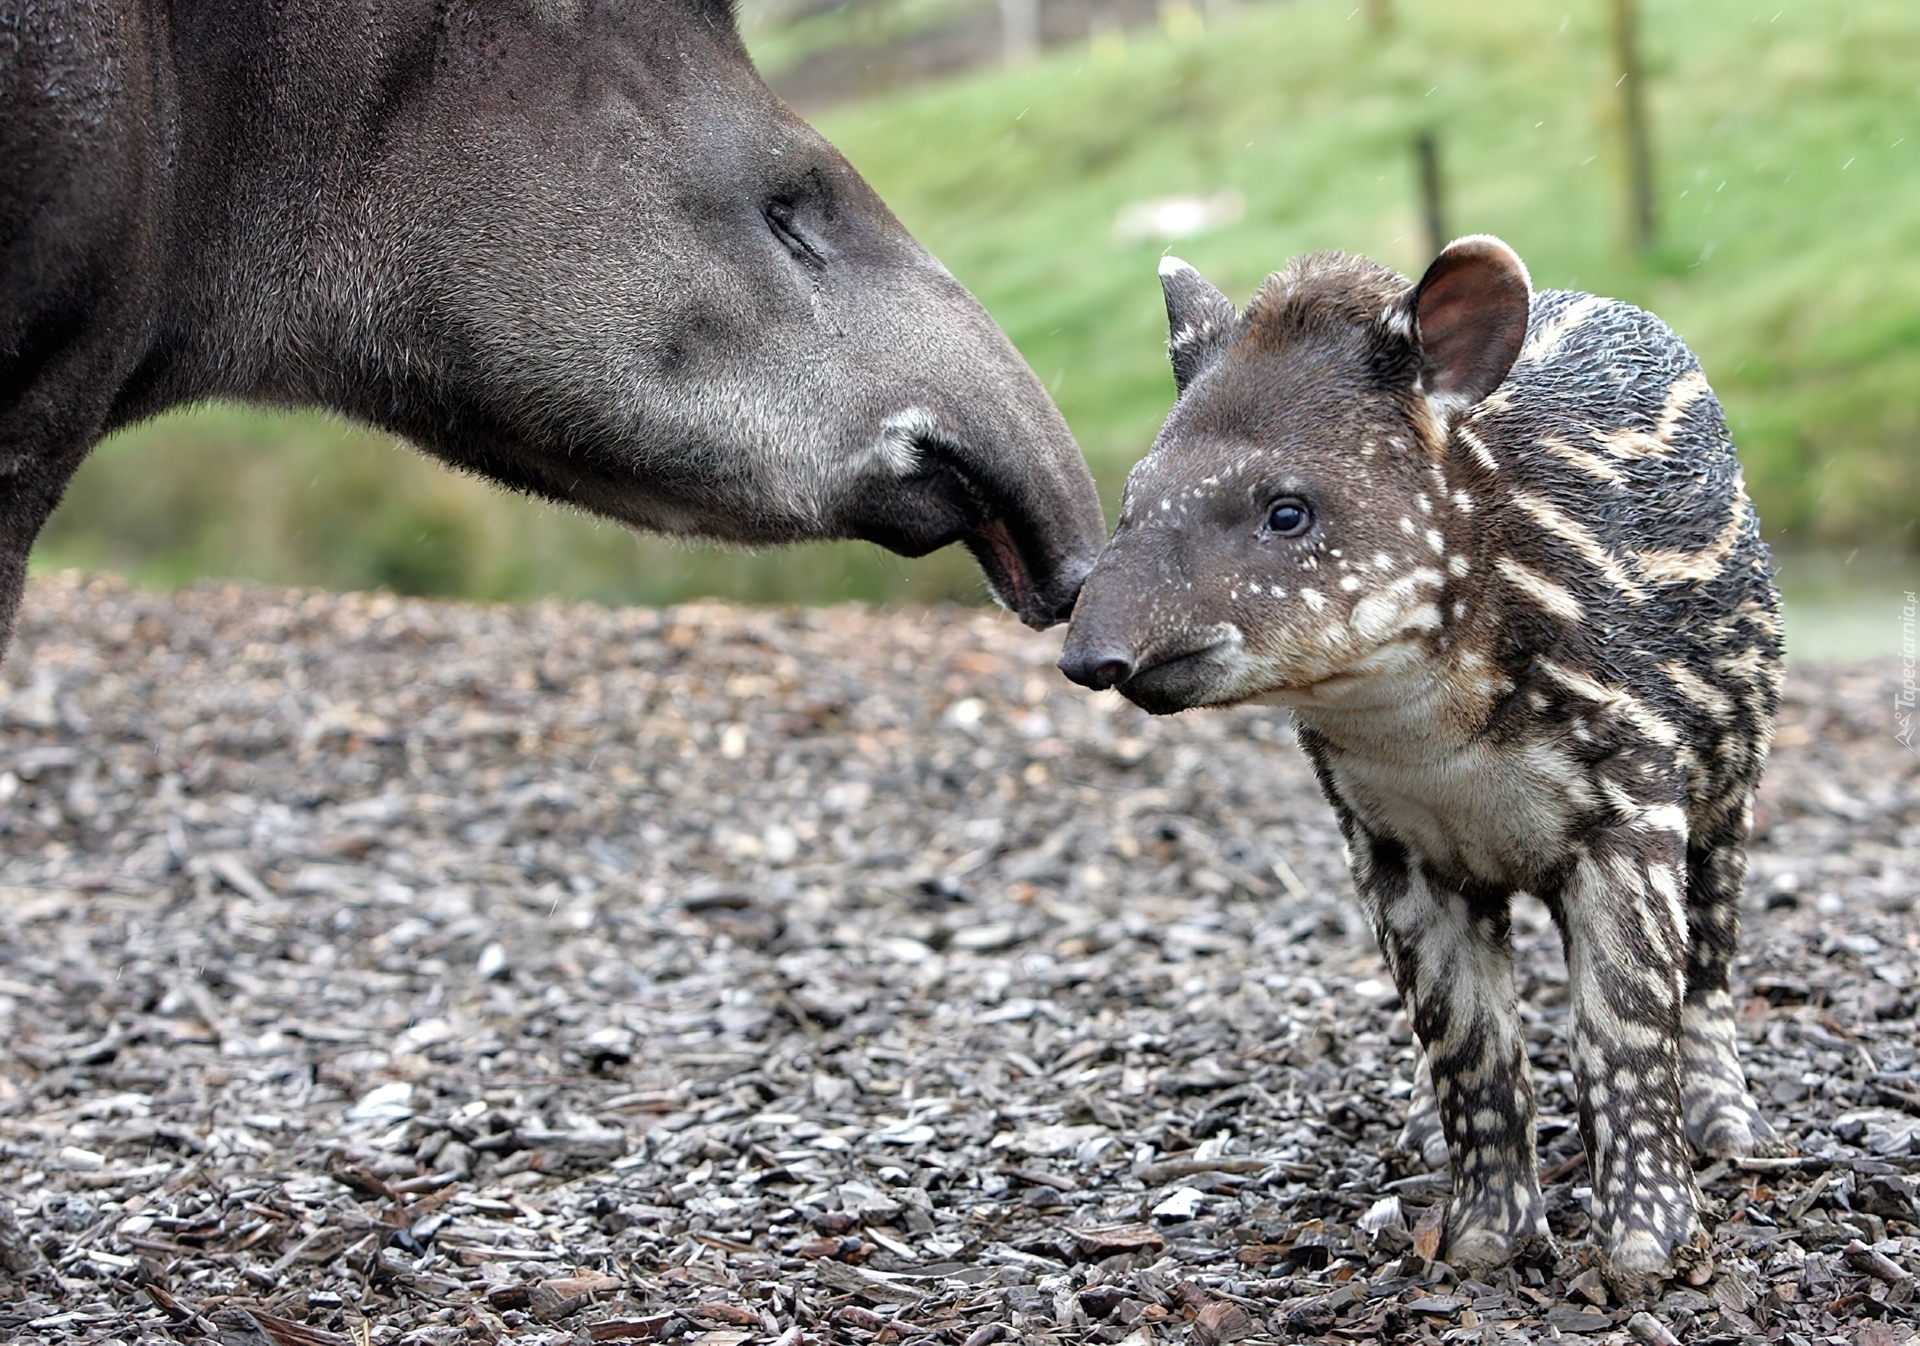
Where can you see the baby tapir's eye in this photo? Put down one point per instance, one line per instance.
(1289, 517)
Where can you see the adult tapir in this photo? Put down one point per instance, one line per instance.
(574, 245)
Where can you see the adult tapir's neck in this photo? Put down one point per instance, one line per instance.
(259, 106)
(284, 262)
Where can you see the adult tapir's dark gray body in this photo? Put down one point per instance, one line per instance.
(575, 245)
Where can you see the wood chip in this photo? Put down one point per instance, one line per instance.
(1427, 1232)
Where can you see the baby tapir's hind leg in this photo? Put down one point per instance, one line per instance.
(1423, 1134)
(1722, 1118)
(1453, 963)
(1621, 913)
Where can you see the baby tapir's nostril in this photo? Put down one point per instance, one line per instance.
(1097, 668)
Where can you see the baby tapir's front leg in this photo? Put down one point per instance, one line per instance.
(1622, 914)
(1452, 959)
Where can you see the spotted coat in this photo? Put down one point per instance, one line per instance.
(1531, 643)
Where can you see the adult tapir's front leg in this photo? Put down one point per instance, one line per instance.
(1622, 914)
(1452, 959)
(39, 453)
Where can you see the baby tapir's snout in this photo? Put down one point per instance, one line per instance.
(1096, 658)
(1163, 655)
(1104, 645)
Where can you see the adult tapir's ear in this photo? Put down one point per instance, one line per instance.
(1200, 320)
(1470, 316)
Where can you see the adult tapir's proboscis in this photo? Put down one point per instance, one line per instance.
(574, 245)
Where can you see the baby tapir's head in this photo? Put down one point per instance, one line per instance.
(1292, 524)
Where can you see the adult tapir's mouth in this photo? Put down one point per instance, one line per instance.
(944, 500)
(998, 553)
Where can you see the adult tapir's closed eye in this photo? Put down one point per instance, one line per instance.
(798, 214)
(1470, 313)
(783, 219)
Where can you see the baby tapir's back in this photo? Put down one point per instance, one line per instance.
(1609, 458)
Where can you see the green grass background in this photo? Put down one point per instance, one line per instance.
(1787, 141)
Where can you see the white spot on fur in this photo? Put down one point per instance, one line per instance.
(895, 450)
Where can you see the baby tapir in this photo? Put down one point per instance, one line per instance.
(1493, 549)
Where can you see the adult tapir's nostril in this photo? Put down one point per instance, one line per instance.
(1097, 668)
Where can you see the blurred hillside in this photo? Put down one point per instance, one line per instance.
(817, 53)
(1787, 145)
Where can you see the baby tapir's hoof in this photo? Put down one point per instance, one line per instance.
(1425, 1141)
(1654, 1239)
(1641, 1262)
(1492, 1232)
(1477, 1248)
(1481, 1249)
(1733, 1129)
(1723, 1121)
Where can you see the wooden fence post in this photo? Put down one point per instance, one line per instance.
(1633, 109)
(1433, 212)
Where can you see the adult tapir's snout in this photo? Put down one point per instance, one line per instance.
(985, 458)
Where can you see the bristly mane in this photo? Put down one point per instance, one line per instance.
(1322, 293)
(722, 11)
(1339, 299)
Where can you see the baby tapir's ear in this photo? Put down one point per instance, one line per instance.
(1470, 314)
(1200, 320)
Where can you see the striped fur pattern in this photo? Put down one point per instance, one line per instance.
(1531, 643)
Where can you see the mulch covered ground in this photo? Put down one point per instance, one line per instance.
(391, 971)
